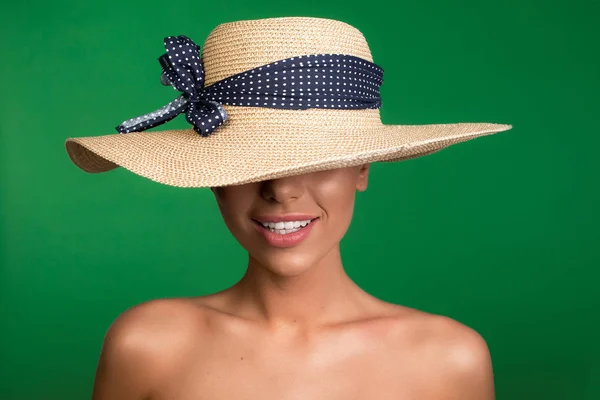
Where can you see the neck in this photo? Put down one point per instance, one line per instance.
(322, 294)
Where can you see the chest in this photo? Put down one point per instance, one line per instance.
(286, 375)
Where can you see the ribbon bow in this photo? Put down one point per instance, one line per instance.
(182, 69)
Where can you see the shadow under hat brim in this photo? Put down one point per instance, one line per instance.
(183, 158)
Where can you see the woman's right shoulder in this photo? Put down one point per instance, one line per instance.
(144, 345)
(155, 322)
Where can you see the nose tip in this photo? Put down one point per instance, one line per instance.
(282, 189)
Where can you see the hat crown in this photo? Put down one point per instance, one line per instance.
(238, 46)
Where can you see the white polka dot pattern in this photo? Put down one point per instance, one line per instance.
(335, 81)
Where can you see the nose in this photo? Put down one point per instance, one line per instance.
(282, 190)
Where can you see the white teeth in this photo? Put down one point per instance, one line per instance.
(286, 225)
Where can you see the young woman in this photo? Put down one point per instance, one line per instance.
(284, 172)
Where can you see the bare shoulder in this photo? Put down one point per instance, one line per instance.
(455, 355)
(155, 326)
(142, 346)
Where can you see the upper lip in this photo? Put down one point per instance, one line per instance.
(284, 218)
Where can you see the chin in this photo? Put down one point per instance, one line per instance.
(287, 265)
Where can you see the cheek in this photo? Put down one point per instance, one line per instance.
(233, 208)
(338, 203)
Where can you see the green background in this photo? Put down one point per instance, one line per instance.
(499, 233)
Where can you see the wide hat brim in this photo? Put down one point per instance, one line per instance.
(259, 146)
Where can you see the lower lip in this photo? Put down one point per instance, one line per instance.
(288, 240)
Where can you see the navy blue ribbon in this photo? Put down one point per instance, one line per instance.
(306, 81)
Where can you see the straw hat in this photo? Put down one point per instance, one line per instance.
(255, 142)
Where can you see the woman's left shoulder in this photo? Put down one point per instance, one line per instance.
(443, 335)
(450, 350)
(431, 356)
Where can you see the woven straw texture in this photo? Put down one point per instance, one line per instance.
(258, 143)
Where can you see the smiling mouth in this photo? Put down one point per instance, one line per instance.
(284, 231)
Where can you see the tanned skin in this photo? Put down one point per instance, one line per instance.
(295, 327)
